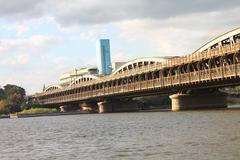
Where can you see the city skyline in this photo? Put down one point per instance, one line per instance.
(41, 40)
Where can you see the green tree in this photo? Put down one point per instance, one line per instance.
(3, 107)
(1, 94)
(15, 97)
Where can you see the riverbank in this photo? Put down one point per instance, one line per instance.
(233, 100)
(233, 104)
(46, 114)
(4, 116)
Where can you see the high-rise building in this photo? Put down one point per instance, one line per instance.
(103, 56)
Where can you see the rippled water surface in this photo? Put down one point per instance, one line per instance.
(212, 134)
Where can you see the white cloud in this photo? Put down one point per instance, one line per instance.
(18, 55)
(73, 12)
(23, 26)
(36, 44)
(178, 35)
(22, 64)
(95, 32)
(24, 9)
(18, 28)
(16, 61)
(97, 11)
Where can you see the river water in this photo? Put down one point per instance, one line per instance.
(208, 134)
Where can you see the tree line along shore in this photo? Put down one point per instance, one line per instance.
(13, 100)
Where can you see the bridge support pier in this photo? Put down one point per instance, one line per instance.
(88, 106)
(192, 101)
(117, 106)
(69, 108)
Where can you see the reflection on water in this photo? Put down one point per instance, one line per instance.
(209, 134)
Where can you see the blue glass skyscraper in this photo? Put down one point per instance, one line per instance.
(103, 56)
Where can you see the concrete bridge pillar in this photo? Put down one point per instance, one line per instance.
(105, 107)
(117, 106)
(198, 101)
(69, 108)
(89, 106)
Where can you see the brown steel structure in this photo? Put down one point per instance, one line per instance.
(212, 66)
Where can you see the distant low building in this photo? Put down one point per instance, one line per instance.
(70, 77)
(116, 65)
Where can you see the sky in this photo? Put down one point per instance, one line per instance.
(41, 39)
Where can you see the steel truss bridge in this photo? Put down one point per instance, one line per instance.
(214, 65)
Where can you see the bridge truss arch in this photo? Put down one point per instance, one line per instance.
(85, 78)
(52, 88)
(228, 38)
(140, 62)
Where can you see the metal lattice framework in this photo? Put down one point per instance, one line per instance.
(210, 66)
(140, 62)
(85, 78)
(52, 88)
